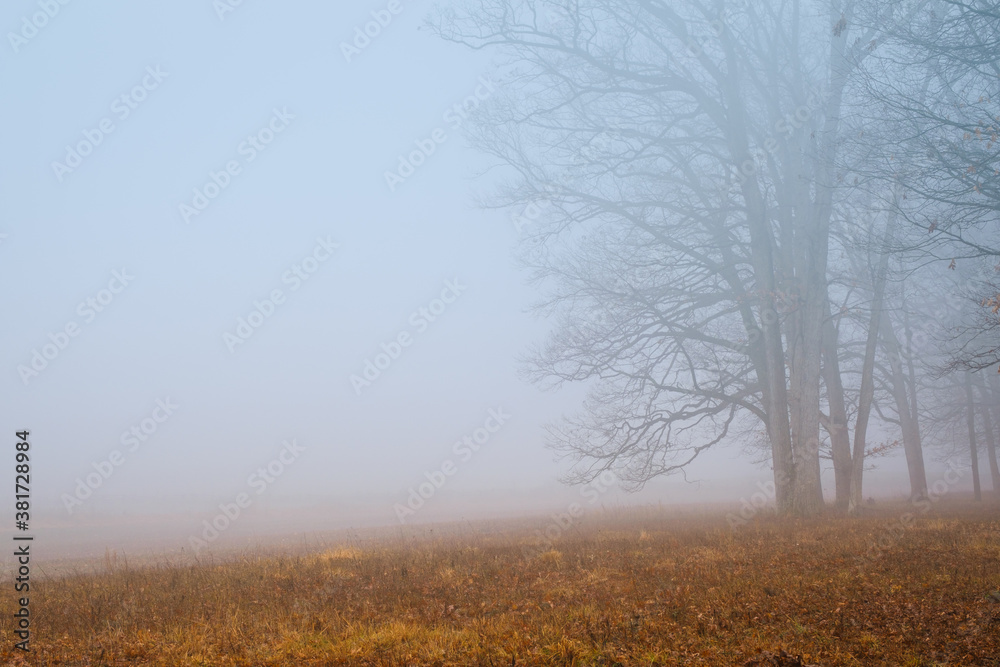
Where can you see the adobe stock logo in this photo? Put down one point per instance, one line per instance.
(223, 7)
(381, 19)
(249, 149)
(420, 320)
(464, 448)
(38, 20)
(295, 277)
(454, 116)
(133, 438)
(574, 513)
(59, 341)
(260, 480)
(122, 107)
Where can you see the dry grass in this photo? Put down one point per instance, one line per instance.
(642, 588)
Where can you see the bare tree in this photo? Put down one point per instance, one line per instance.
(884, 366)
(686, 254)
(934, 85)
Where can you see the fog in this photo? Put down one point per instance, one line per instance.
(256, 257)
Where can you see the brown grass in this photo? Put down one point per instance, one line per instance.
(636, 588)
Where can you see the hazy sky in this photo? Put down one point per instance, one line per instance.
(187, 94)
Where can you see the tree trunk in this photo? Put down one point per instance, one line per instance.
(864, 412)
(806, 353)
(809, 474)
(973, 450)
(911, 432)
(868, 367)
(908, 332)
(840, 438)
(991, 443)
(762, 260)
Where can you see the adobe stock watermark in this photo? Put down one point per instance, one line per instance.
(249, 149)
(465, 449)
(785, 127)
(758, 502)
(33, 23)
(575, 511)
(122, 107)
(320, 597)
(420, 320)
(454, 116)
(260, 481)
(938, 490)
(88, 309)
(765, 498)
(294, 277)
(131, 440)
(532, 211)
(364, 34)
(223, 7)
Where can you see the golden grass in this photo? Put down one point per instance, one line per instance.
(639, 588)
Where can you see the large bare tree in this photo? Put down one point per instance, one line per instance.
(686, 152)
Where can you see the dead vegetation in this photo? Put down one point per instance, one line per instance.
(637, 588)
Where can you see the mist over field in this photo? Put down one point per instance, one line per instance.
(500, 332)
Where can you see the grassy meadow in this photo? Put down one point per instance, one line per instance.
(636, 587)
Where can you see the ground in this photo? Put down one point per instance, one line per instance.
(897, 586)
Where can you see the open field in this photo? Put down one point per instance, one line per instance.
(645, 587)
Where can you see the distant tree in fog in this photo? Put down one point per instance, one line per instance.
(934, 84)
